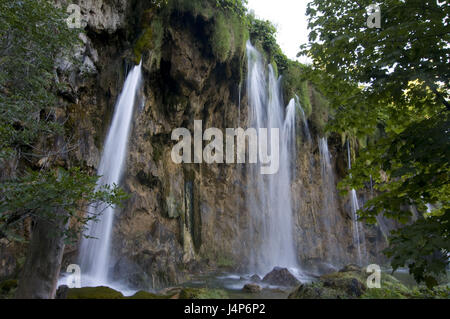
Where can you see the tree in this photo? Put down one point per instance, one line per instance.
(38, 181)
(393, 81)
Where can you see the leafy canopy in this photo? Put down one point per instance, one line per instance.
(33, 35)
(391, 85)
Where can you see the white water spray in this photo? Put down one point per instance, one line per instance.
(95, 250)
(270, 199)
(358, 231)
(330, 206)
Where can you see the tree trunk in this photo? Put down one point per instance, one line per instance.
(40, 274)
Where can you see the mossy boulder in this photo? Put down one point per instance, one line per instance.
(8, 288)
(350, 283)
(148, 295)
(94, 293)
(202, 293)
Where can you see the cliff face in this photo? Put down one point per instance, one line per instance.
(182, 219)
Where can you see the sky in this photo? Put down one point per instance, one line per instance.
(289, 18)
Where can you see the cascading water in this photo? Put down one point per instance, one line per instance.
(330, 204)
(95, 250)
(270, 198)
(358, 231)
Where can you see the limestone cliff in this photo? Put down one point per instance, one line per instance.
(183, 219)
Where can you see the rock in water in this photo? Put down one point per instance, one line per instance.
(255, 278)
(252, 288)
(281, 277)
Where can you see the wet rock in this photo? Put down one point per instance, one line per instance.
(349, 283)
(8, 288)
(353, 287)
(62, 292)
(326, 268)
(255, 278)
(148, 295)
(65, 292)
(94, 293)
(202, 293)
(252, 288)
(281, 277)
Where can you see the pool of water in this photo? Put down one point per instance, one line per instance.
(233, 284)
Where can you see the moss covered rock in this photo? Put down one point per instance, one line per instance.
(8, 288)
(202, 293)
(94, 293)
(350, 283)
(148, 295)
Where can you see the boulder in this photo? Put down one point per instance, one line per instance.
(350, 283)
(202, 293)
(93, 293)
(255, 278)
(281, 277)
(8, 288)
(252, 288)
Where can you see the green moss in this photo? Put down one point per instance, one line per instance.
(158, 38)
(143, 44)
(225, 262)
(198, 8)
(108, 293)
(94, 293)
(158, 151)
(8, 288)
(148, 295)
(150, 41)
(320, 111)
(203, 293)
(352, 283)
(222, 39)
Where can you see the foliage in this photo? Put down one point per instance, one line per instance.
(28, 51)
(151, 38)
(222, 39)
(238, 7)
(392, 82)
(40, 194)
(33, 36)
(262, 33)
(295, 83)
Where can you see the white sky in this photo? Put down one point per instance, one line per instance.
(289, 18)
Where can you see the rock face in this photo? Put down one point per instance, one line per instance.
(183, 219)
(280, 277)
(187, 218)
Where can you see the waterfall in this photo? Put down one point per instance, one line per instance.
(95, 249)
(358, 231)
(270, 198)
(330, 203)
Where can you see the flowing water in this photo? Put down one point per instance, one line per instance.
(330, 206)
(270, 198)
(358, 231)
(95, 250)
